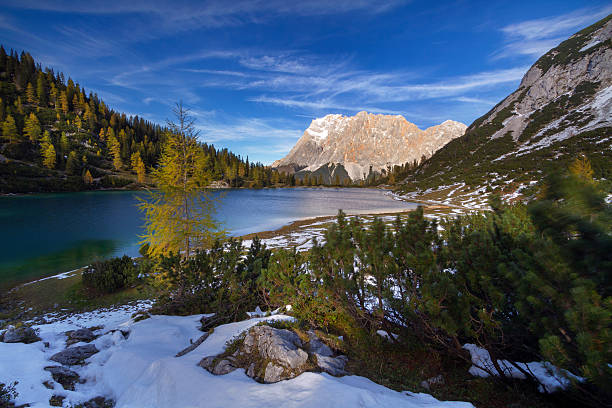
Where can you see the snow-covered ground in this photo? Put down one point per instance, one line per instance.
(142, 370)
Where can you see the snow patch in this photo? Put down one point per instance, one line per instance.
(590, 44)
(141, 371)
(550, 377)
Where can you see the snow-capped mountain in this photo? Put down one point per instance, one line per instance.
(365, 141)
(562, 109)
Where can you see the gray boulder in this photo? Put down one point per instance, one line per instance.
(66, 377)
(332, 365)
(281, 346)
(270, 355)
(80, 335)
(219, 366)
(20, 335)
(75, 355)
(316, 346)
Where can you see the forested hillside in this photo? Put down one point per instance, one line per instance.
(56, 136)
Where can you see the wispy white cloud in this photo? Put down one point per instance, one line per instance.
(184, 15)
(535, 37)
(468, 99)
(216, 72)
(214, 130)
(378, 88)
(322, 105)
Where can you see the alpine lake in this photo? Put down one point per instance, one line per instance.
(47, 234)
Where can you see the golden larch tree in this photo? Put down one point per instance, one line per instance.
(179, 213)
(115, 149)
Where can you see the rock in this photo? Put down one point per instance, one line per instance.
(75, 355)
(270, 355)
(66, 377)
(324, 356)
(218, 366)
(20, 335)
(281, 346)
(437, 380)
(224, 366)
(80, 335)
(274, 373)
(316, 346)
(99, 402)
(332, 365)
(57, 401)
(251, 370)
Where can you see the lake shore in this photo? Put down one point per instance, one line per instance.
(302, 225)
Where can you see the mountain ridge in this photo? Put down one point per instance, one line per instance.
(365, 141)
(561, 109)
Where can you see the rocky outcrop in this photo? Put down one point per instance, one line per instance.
(20, 335)
(363, 141)
(64, 376)
(270, 355)
(582, 61)
(75, 355)
(80, 335)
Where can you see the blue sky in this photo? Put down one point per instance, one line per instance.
(255, 73)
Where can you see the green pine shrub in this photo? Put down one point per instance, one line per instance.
(110, 276)
(220, 280)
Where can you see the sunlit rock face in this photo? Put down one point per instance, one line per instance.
(365, 141)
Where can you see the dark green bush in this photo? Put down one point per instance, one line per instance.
(7, 394)
(110, 275)
(219, 281)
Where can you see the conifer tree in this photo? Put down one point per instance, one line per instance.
(53, 94)
(87, 178)
(115, 149)
(32, 128)
(9, 129)
(41, 92)
(581, 168)
(179, 215)
(64, 102)
(72, 164)
(30, 94)
(64, 143)
(139, 167)
(49, 157)
(19, 105)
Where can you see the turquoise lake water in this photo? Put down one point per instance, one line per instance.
(45, 234)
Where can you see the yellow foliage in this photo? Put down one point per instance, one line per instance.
(581, 168)
(179, 214)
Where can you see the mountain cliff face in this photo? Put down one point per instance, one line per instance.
(561, 109)
(363, 141)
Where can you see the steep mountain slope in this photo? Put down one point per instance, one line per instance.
(365, 141)
(562, 109)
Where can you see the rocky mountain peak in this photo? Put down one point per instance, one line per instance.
(365, 141)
